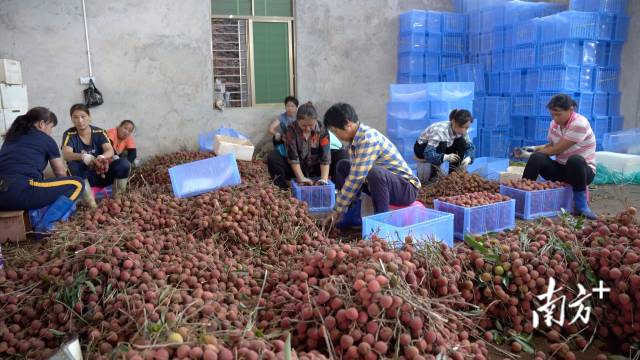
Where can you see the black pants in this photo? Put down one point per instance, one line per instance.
(576, 172)
(280, 169)
(458, 147)
(21, 193)
(118, 169)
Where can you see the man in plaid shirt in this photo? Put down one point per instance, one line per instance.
(376, 167)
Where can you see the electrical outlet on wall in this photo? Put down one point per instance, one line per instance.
(85, 80)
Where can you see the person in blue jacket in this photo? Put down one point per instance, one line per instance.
(27, 149)
(446, 141)
(278, 126)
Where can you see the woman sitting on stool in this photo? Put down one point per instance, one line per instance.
(86, 148)
(27, 148)
(122, 141)
(573, 143)
(445, 141)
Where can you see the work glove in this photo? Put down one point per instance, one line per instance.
(465, 162)
(115, 157)
(451, 158)
(88, 159)
(322, 182)
(525, 152)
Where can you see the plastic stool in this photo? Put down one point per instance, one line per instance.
(398, 207)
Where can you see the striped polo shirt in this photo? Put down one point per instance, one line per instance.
(577, 130)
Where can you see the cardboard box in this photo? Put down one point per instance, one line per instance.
(10, 72)
(13, 96)
(242, 149)
(12, 226)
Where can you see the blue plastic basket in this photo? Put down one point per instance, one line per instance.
(568, 52)
(205, 140)
(203, 176)
(454, 23)
(606, 26)
(576, 25)
(406, 127)
(617, 123)
(517, 83)
(525, 56)
(319, 198)
(600, 104)
(600, 126)
(411, 43)
(608, 6)
(496, 112)
(526, 32)
(474, 43)
(408, 92)
(454, 44)
(606, 79)
(480, 219)
(488, 167)
(497, 36)
(560, 78)
(450, 91)
(492, 17)
(411, 63)
(508, 37)
(493, 87)
(621, 29)
(625, 141)
(449, 61)
(407, 110)
(585, 102)
(410, 79)
(486, 42)
(507, 63)
(542, 99)
(495, 142)
(542, 203)
(433, 22)
(505, 82)
(541, 128)
(404, 144)
(433, 43)
(531, 79)
(614, 54)
(413, 22)
(614, 103)
(497, 61)
(431, 64)
(475, 21)
(517, 130)
(441, 109)
(587, 78)
(523, 104)
(418, 222)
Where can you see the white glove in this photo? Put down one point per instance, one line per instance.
(277, 136)
(525, 152)
(115, 157)
(305, 181)
(465, 162)
(88, 159)
(451, 158)
(322, 182)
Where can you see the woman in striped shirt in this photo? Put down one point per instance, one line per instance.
(573, 143)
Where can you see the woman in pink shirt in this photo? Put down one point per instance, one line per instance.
(573, 143)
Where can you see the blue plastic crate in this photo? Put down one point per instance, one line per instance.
(542, 203)
(532, 80)
(492, 17)
(497, 36)
(600, 104)
(319, 198)
(606, 26)
(541, 128)
(621, 29)
(600, 126)
(517, 83)
(560, 78)
(475, 21)
(587, 78)
(585, 102)
(530, 128)
(518, 127)
(495, 142)
(454, 23)
(472, 73)
(431, 64)
(433, 43)
(505, 82)
(617, 123)
(523, 104)
(450, 91)
(497, 61)
(448, 61)
(203, 176)
(412, 110)
(493, 83)
(507, 62)
(576, 25)
(624, 142)
(486, 42)
(474, 43)
(404, 145)
(441, 109)
(488, 167)
(548, 26)
(433, 22)
(609, 54)
(614, 103)
(413, 22)
(418, 222)
(526, 32)
(454, 44)
(525, 56)
(542, 99)
(411, 43)
(411, 63)
(608, 6)
(408, 92)
(568, 52)
(480, 219)
(606, 79)
(485, 61)
(409, 128)
(496, 112)
(410, 79)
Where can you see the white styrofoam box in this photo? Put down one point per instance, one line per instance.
(625, 163)
(7, 116)
(10, 72)
(241, 148)
(13, 96)
(512, 173)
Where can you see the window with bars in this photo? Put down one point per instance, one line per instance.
(252, 51)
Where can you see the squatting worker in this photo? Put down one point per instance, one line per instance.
(445, 141)
(27, 148)
(279, 124)
(309, 152)
(85, 147)
(122, 141)
(376, 167)
(573, 143)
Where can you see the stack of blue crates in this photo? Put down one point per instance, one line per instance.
(429, 43)
(413, 107)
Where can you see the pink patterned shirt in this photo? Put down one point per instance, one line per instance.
(577, 130)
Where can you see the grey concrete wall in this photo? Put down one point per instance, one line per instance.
(346, 51)
(151, 60)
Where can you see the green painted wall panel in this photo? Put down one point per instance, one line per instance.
(271, 62)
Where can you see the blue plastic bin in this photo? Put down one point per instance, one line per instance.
(568, 52)
(492, 17)
(498, 38)
(508, 37)
(479, 220)
(606, 79)
(517, 129)
(411, 63)
(560, 78)
(433, 22)
(486, 42)
(542, 99)
(617, 124)
(585, 102)
(517, 83)
(475, 21)
(408, 92)
(411, 43)
(319, 198)
(576, 25)
(205, 140)
(614, 103)
(612, 54)
(454, 23)
(493, 83)
(488, 167)
(410, 79)
(454, 44)
(495, 142)
(441, 109)
(203, 176)
(433, 43)
(624, 142)
(541, 128)
(413, 22)
(587, 78)
(418, 222)
(449, 61)
(532, 80)
(496, 112)
(608, 6)
(507, 62)
(497, 61)
(450, 91)
(523, 104)
(505, 82)
(413, 110)
(526, 32)
(525, 56)
(542, 203)
(406, 127)
(474, 43)
(432, 63)
(404, 144)
(600, 104)
(600, 126)
(621, 29)
(606, 27)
